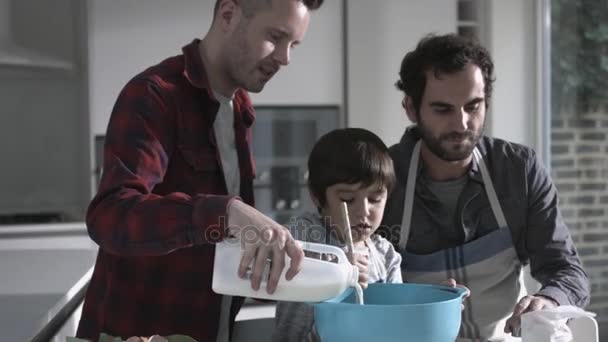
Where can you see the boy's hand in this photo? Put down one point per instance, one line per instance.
(362, 263)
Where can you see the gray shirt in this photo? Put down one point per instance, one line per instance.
(447, 193)
(224, 132)
(225, 137)
(294, 321)
(529, 202)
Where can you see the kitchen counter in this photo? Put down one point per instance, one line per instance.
(45, 269)
(61, 320)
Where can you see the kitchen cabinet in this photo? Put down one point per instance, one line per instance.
(14, 52)
(44, 125)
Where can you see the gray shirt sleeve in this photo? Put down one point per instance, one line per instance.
(294, 322)
(554, 261)
(389, 258)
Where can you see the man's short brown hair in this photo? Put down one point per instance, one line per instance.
(250, 7)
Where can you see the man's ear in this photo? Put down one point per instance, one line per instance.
(410, 111)
(228, 14)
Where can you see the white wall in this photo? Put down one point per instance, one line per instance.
(314, 75)
(127, 36)
(513, 46)
(379, 35)
(381, 32)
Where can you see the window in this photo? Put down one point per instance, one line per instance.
(471, 18)
(578, 120)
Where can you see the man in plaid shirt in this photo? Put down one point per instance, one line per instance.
(178, 175)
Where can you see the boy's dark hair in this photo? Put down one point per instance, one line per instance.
(249, 7)
(442, 55)
(349, 155)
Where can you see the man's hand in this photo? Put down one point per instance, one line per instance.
(153, 338)
(527, 304)
(451, 282)
(263, 239)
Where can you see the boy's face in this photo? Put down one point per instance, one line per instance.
(365, 208)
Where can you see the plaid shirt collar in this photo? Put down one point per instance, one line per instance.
(195, 73)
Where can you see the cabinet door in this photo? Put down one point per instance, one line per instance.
(44, 122)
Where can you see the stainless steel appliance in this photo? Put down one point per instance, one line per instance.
(283, 137)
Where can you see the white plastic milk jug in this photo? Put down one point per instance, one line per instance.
(317, 281)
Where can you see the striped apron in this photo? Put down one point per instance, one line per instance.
(488, 266)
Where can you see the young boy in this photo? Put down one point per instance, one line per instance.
(349, 165)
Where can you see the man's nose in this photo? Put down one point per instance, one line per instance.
(462, 120)
(282, 55)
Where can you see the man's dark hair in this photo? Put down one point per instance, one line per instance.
(349, 155)
(250, 7)
(442, 55)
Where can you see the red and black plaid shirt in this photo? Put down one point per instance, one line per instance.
(162, 204)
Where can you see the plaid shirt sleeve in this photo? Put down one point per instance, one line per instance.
(126, 217)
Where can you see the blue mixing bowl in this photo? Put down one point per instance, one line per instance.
(392, 312)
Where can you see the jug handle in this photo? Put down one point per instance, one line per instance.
(323, 248)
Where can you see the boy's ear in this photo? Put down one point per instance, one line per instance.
(408, 105)
(314, 199)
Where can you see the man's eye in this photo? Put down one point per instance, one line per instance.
(472, 108)
(375, 199)
(442, 110)
(347, 200)
(274, 37)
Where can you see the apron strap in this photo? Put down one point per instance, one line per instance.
(408, 203)
(490, 191)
